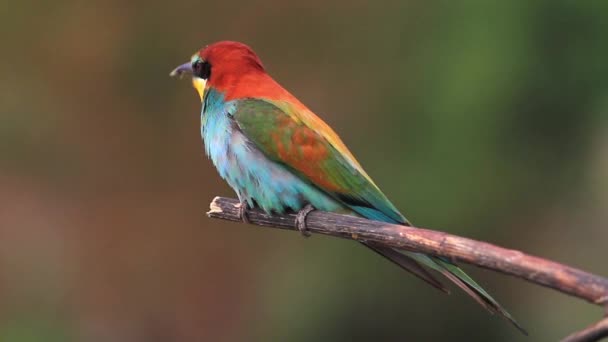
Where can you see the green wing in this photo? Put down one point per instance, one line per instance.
(307, 152)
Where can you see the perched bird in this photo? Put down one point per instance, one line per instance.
(279, 156)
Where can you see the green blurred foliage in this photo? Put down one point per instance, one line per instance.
(483, 118)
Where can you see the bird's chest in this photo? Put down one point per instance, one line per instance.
(237, 161)
(221, 138)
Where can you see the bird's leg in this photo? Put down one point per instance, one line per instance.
(243, 208)
(301, 219)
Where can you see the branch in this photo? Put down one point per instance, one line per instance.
(594, 332)
(566, 279)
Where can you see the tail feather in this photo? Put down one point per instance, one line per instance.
(413, 262)
(466, 283)
(408, 264)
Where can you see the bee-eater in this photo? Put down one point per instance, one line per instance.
(279, 156)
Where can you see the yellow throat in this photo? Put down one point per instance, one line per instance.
(199, 85)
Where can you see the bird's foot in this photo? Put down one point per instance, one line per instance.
(301, 219)
(243, 208)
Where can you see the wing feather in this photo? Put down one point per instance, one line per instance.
(311, 155)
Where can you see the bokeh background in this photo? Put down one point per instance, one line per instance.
(482, 118)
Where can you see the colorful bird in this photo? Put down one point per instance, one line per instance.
(279, 156)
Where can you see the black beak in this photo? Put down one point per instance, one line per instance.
(180, 70)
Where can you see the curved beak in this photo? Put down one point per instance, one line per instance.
(185, 68)
(198, 83)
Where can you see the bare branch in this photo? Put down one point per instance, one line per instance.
(590, 287)
(594, 332)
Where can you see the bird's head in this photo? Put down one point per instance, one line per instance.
(218, 65)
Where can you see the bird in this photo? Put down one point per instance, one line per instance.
(279, 156)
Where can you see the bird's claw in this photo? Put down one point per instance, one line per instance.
(243, 208)
(301, 220)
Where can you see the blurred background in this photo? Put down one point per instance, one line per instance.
(483, 119)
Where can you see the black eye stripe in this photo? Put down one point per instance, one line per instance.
(201, 69)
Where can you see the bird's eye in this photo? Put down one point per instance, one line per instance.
(201, 69)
